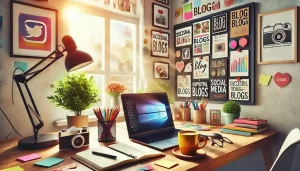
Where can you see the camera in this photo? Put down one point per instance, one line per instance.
(73, 138)
(278, 35)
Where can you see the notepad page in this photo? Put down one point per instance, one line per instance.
(100, 162)
(137, 150)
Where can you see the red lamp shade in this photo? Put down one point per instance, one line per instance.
(75, 59)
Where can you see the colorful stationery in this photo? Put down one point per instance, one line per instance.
(108, 114)
(251, 121)
(250, 126)
(229, 131)
(29, 157)
(16, 168)
(234, 127)
(200, 106)
(166, 163)
(49, 162)
(186, 104)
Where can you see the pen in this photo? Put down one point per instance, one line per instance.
(104, 155)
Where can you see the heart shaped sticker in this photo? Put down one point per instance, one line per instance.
(233, 44)
(179, 66)
(282, 79)
(243, 42)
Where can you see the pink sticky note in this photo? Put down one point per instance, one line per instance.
(29, 157)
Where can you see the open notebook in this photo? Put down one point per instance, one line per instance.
(125, 154)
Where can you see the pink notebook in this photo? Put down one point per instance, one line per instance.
(29, 157)
(251, 121)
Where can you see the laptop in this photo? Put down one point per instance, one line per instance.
(149, 120)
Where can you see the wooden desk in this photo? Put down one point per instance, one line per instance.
(216, 157)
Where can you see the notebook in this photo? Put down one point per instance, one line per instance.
(233, 127)
(251, 121)
(125, 154)
(229, 131)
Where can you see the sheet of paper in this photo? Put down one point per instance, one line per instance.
(165, 163)
(264, 79)
(17, 168)
(49, 162)
(29, 157)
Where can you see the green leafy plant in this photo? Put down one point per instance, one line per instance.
(76, 92)
(231, 107)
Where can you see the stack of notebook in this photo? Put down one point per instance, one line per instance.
(246, 127)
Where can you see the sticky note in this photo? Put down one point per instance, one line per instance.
(29, 157)
(17, 168)
(49, 162)
(264, 79)
(22, 65)
(165, 163)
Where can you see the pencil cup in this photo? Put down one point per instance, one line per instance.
(186, 114)
(106, 131)
(199, 116)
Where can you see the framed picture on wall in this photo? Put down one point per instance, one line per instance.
(160, 42)
(164, 1)
(160, 16)
(33, 30)
(215, 117)
(277, 36)
(161, 70)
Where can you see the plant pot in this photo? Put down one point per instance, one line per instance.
(78, 121)
(115, 101)
(229, 117)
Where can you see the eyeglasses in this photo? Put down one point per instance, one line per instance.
(219, 141)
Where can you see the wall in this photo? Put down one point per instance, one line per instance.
(279, 106)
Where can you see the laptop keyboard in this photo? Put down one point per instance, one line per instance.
(159, 137)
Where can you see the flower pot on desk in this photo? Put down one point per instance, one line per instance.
(78, 121)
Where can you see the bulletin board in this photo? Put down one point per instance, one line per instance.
(215, 57)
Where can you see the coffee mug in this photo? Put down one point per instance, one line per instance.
(189, 142)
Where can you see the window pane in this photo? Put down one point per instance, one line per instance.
(129, 81)
(88, 33)
(99, 80)
(122, 46)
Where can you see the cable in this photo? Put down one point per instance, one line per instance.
(10, 123)
(12, 84)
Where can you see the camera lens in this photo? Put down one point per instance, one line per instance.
(278, 36)
(77, 141)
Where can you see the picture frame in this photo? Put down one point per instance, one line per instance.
(161, 70)
(160, 44)
(215, 117)
(163, 1)
(35, 33)
(160, 16)
(269, 49)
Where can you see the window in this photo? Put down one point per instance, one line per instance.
(112, 40)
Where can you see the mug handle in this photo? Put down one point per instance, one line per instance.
(204, 139)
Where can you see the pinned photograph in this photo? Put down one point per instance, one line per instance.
(161, 70)
(220, 46)
(160, 16)
(201, 37)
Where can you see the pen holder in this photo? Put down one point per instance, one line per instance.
(199, 116)
(106, 131)
(186, 114)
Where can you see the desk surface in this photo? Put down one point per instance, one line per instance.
(216, 157)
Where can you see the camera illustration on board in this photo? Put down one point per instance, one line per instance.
(278, 35)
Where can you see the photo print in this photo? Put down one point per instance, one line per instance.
(200, 89)
(183, 86)
(201, 39)
(218, 89)
(161, 70)
(201, 67)
(220, 46)
(239, 89)
(160, 16)
(218, 68)
(239, 63)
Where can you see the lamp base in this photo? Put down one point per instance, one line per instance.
(43, 141)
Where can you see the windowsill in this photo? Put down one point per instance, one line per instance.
(92, 119)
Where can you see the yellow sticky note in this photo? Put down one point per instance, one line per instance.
(17, 168)
(165, 163)
(264, 79)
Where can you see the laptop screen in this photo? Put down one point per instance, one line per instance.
(146, 112)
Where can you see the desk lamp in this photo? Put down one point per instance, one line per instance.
(75, 59)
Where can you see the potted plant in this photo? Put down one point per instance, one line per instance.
(231, 110)
(115, 89)
(76, 92)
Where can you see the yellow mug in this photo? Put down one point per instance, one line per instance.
(189, 142)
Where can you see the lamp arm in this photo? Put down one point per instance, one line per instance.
(21, 78)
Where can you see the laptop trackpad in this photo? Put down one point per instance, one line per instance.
(165, 143)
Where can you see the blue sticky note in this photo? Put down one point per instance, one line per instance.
(22, 65)
(49, 162)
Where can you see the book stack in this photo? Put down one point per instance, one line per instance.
(246, 127)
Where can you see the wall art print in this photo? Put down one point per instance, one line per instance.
(183, 86)
(201, 37)
(160, 16)
(160, 44)
(161, 70)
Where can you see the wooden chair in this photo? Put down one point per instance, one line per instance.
(288, 158)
